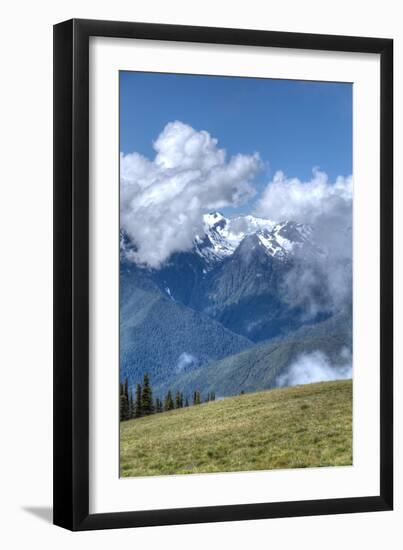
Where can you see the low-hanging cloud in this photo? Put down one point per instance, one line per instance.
(163, 200)
(185, 361)
(316, 367)
(320, 282)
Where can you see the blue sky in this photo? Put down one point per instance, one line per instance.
(294, 125)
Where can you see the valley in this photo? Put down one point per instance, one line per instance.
(227, 315)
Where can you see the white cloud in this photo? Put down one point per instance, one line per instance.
(163, 200)
(305, 202)
(185, 360)
(321, 283)
(316, 367)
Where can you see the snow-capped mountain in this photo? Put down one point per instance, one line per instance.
(236, 271)
(229, 292)
(222, 236)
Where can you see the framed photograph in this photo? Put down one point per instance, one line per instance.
(223, 321)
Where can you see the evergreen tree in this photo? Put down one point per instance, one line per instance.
(186, 402)
(131, 405)
(137, 406)
(124, 406)
(146, 397)
(126, 389)
(169, 402)
(121, 407)
(212, 396)
(196, 398)
(178, 400)
(181, 399)
(158, 405)
(120, 401)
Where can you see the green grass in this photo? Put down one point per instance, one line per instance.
(299, 427)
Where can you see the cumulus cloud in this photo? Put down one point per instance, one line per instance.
(163, 199)
(322, 282)
(316, 367)
(305, 202)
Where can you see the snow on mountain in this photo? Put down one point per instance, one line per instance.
(222, 236)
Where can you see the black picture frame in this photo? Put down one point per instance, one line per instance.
(71, 274)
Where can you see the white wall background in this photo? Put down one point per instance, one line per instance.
(26, 274)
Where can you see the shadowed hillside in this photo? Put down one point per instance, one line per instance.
(156, 333)
(258, 367)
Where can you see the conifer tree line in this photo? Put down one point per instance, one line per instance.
(141, 402)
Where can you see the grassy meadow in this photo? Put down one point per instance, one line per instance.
(298, 427)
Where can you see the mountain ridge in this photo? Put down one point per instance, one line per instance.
(235, 273)
(260, 366)
(156, 333)
(221, 305)
(222, 236)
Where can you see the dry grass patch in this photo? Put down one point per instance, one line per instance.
(300, 427)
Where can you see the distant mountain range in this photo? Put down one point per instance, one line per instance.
(223, 236)
(217, 317)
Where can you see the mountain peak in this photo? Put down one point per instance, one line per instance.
(212, 218)
(222, 236)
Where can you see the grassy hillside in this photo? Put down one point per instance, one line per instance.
(303, 426)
